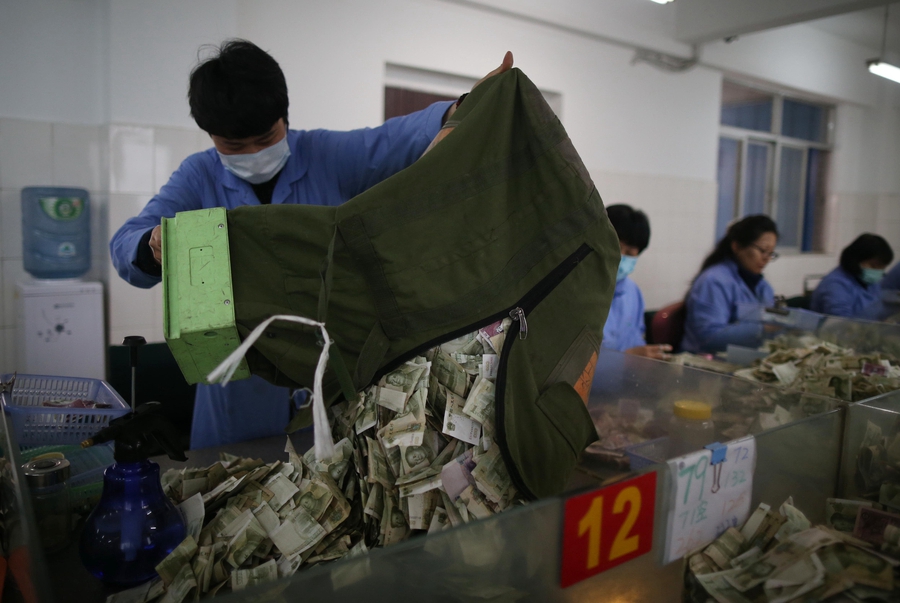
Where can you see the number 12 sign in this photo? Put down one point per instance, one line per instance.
(606, 527)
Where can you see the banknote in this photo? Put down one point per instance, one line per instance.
(870, 524)
(245, 578)
(841, 513)
(181, 584)
(480, 402)
(169, 567)
(457, 424)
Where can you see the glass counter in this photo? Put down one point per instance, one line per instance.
(864, 336)
(631, 402)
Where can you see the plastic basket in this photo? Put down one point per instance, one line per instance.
(647, 453)
(36, 425)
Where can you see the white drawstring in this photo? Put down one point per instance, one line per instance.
(321, 429)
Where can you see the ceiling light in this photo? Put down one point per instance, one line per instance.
(884, 70)
(662, 1)
(878, 66)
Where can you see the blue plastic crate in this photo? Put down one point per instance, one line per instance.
(36, 425)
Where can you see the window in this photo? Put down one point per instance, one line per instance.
(773, 159)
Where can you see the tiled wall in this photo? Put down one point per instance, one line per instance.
(141, 161)
(121, 166)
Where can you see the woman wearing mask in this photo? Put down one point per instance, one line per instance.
(624, 328)
(731, 275)
(853, 289)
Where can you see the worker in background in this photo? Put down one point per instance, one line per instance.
(732, 274)
(853, 289)
(240, 98)
(624, 328)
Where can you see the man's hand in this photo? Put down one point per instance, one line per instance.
(656, 351)
(505, 65)
(156, 244)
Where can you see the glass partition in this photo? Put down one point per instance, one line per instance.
(871, 450)
(801, 460)
(888, 401)
(26, 572)
(864, 336)
(632, 398)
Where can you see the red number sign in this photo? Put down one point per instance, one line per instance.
(606, 527)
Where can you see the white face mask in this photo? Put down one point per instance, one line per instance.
(259, 167)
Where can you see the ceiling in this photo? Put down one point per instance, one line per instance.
(864, 27)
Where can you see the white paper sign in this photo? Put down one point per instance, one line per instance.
(709, 499)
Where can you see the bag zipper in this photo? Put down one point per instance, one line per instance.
(518, 330)
(519, 327)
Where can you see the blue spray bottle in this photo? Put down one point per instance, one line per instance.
(134, 526)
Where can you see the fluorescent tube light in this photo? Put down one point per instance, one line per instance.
(662, 1)
(885, 70)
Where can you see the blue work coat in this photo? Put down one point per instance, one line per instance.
(842, 294)
(712, 310)
(324, 168)
(892, 278)
(624, 328)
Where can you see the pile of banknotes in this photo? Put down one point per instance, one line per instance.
(808, 364)
(878, 465)
(779, 556)
(415, 454)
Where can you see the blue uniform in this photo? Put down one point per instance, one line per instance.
(712, 310)
(842, 294)
(624, 328)
(892, 278)
(324, 168)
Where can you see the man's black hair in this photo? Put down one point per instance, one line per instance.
(239, 92)
(632, 225)
(867, 246)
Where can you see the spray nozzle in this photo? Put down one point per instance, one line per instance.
(141, 434)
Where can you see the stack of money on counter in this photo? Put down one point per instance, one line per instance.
(414, 454)
(808, 364)
(778, 556)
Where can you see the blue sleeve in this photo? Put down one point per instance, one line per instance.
(709, 317)
(834, 297)
(636, 335)
(180, 193)
(360, 159)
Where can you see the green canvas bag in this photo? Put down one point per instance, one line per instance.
(500, 219)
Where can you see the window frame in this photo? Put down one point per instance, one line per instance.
(776, 142)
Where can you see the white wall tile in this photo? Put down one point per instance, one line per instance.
(888, 207)
(120, 208)
(170, 147)
(130, 159)
(25, 153)
(79, 157)
(8, 357)
(13, 272)
(129, 306)
(10, 224)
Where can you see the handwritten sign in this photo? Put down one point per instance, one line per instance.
(708, 499)
(606, 527)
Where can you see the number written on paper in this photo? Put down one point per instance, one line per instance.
(708, 498)
(606, 527)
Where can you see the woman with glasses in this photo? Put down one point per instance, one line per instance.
(731, 275)
(853, 289)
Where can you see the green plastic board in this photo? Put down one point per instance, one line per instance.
(198, 302)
